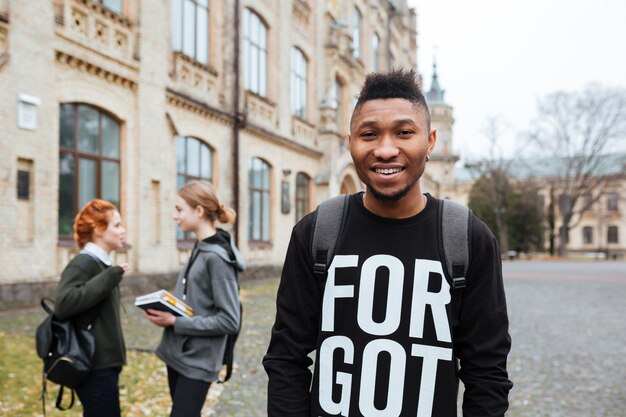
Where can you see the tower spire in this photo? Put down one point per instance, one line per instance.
(435, 94)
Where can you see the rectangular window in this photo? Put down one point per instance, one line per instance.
(375, 52)
(259, 209)
(67, 194)
(356, 33)
(88, 129)
(87, 181)
(110, 185)
(190, 29)
(255, 53)
(23, 185)
(298, 83)
(587, 235)
(612, 235)
(611, 201)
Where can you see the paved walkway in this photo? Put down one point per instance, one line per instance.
(569, 342)
(567, 325)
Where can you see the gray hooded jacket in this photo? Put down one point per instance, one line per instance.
(194, 346)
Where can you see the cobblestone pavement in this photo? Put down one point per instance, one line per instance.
(567, 326)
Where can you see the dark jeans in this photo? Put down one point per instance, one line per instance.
(188, 395)
(100, 393)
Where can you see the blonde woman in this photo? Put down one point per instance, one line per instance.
(193, 347)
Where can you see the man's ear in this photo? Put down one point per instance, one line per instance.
(432, 140)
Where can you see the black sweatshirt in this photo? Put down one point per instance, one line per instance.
(381, 324)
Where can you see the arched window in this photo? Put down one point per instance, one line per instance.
(255, 53)
(298, 82)
(259, 201)
(302, 195)
(190, 28)
(194, 161)
(89, 160)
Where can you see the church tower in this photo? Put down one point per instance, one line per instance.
(442, 160)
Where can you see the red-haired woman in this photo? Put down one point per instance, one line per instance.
(88, 294)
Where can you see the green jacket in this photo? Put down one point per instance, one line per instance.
(88, 293)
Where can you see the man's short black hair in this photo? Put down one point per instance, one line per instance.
(398, 83)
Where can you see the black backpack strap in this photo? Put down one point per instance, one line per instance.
(59, 401)
(455, 226)
(229, 351)
(329, 221)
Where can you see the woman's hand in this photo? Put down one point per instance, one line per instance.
(160, 318)
(124, 266)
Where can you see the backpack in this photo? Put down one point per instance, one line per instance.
(67, 352)
(455, 226)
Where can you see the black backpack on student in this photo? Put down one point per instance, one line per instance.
(455, 226)
(67, 352)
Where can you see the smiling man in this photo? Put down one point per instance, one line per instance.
(381, 320)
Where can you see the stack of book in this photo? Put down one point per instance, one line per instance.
(164, 301)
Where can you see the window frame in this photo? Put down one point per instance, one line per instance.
(587, 235)
(265, 194)
(255, 52)
(188, 237)
(303, 195)
(612, 201)
(375, 52)
(178, 44)
(357, 24)
(612, 234)
(299, 74)
(78, 155)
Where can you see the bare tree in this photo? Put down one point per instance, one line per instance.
(494, 176)
(576, 132)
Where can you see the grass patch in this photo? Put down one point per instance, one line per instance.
(143, 383)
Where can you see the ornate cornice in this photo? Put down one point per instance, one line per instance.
(183, 101)
(68, 60)
(281, 141)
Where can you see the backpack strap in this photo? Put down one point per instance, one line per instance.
(327, 229)
(455, 222)
(59, 401)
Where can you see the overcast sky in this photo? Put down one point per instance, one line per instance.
(497, 57)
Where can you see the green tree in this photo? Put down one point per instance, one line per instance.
(488, 200)
(525, 217)
(513, 210)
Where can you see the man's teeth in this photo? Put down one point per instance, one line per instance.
(387, 171)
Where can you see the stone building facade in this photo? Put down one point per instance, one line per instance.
(128, 99)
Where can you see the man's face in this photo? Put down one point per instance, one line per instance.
(389, 140)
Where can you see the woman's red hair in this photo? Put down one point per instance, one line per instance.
(94, 215)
